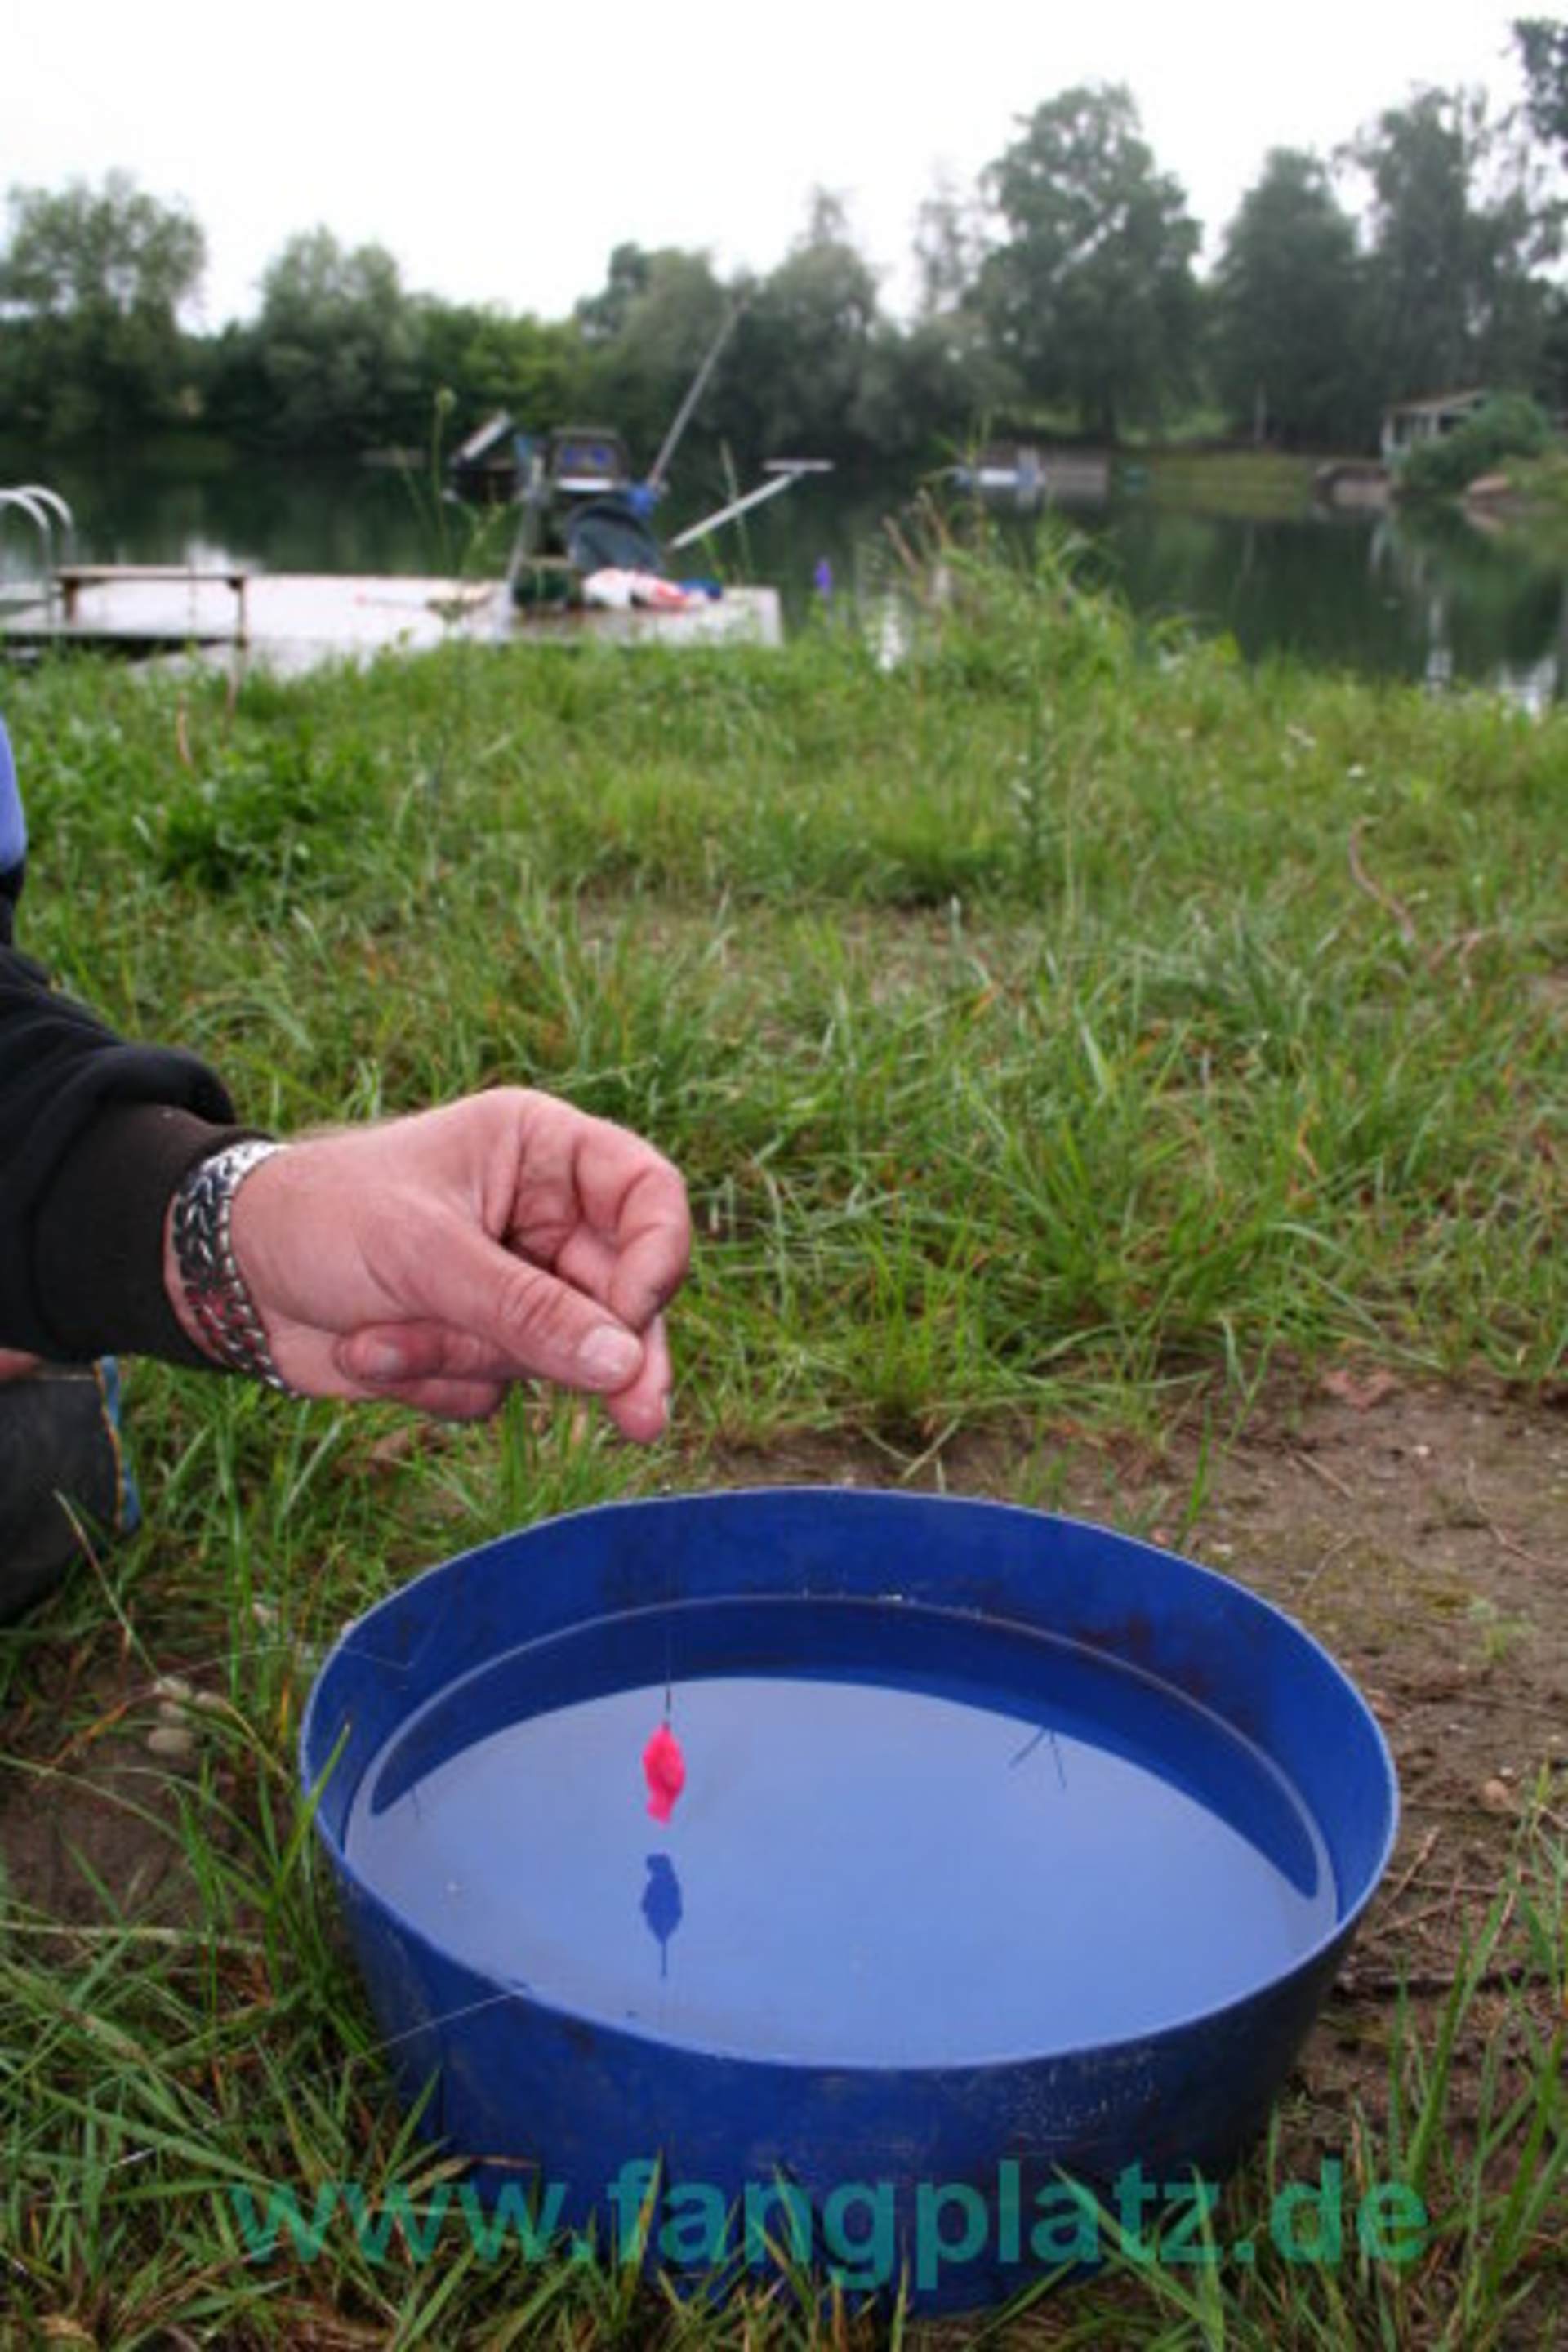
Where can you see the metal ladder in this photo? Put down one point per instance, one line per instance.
(47, 511)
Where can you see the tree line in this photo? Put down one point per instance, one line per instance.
(1060, 292)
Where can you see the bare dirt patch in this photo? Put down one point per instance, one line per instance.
(91, 1812)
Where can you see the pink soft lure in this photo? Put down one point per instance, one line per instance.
(665, 1768)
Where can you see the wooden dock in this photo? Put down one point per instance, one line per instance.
(292, 621)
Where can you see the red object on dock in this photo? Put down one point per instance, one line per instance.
(665, 1768)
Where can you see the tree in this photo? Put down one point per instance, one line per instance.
(92, 283)
(602, 316)
(1459, 231)
(490, 359)
(928, 390)
(667, 308)
(950, 245)
(801, 352)
(337, 341)
(1288, 306)
(1542, 46)
(1092, 294)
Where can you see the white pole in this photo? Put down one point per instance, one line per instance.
(736, 506)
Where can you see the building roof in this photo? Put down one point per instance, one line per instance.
(1434, 404)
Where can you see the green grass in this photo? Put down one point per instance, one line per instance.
(1064, 1023)
(1245, 482)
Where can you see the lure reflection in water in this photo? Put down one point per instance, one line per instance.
(895, 1862)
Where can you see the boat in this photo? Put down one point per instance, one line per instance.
(1015, 473)
(584, 529)
(1009, 471)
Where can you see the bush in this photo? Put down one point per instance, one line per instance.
(1508, 427)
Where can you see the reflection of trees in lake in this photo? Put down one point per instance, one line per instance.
(1417, 596)
(1387, 594)
(281, 517)
(1489, 607)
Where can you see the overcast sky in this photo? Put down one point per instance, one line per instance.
(501, 152)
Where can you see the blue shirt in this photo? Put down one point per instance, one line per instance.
(12, 824)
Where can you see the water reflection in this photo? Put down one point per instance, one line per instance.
(943, 1864)
(1431, 598)
(661, 1906)
(1487, 606)
(1418, 597)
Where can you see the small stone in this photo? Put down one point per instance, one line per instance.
(169, 1740)
(1497, 1796)
(1360, 1391)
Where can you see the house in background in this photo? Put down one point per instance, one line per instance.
(1411, 422)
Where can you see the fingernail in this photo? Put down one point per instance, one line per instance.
(380, 1359)
(608, 1358)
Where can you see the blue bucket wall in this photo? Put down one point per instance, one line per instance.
(539, 2091)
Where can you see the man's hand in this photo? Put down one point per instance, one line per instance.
(433, 1260)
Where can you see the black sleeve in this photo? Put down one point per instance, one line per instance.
(95, 1134)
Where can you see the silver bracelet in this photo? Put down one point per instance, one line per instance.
(225, 1312)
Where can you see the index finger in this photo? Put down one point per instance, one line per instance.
(635, 1198)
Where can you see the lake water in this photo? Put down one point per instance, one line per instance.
(946, 1848)
(1431, 599)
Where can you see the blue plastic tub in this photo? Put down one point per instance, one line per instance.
(1010, 1849)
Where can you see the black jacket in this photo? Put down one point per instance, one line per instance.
(95, 1134)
